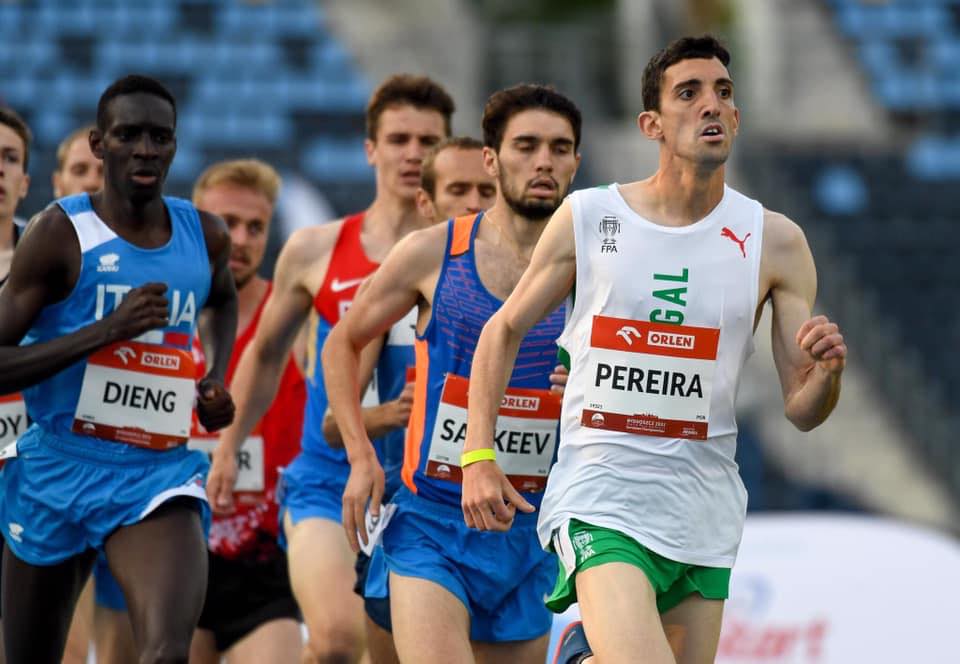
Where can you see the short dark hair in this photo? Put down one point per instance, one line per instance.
(128, 85)
(685, 48)
(428, 174)
(12, 119)
(504, 104)
(420, 92)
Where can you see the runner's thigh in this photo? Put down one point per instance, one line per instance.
(620, 618)
(322, 577)
(693, 629)
(430, 624)
(533, 651)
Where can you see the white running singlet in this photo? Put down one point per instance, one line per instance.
(661, 326)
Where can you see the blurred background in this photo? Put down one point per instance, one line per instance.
(847, 107)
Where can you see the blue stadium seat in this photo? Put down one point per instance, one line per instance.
(50, 126)
(336, 161)
(10, 18)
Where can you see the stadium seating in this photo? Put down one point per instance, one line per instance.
(251, 78)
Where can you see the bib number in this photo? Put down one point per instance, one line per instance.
(650, 379)
(13, 418)
(250, 464)
(525, 437)
(137, 393)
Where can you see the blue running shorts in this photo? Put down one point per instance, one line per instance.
(373, 586)
(502, 578)
(310, 488)
(59, 499)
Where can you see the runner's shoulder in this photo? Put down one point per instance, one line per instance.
(215, 232)
(308, 245)
(781, 234)
(49, 231)
(426, 244)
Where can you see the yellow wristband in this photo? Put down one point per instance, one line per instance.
(485, 454)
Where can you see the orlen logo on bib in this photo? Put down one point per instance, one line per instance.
(520, 403)
(670, 340)
(160, 360)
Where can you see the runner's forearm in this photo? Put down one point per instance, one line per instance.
(812, 403)
(341, 364)
(23, 366)
(489, 374)
(377, 421)
(254, 385)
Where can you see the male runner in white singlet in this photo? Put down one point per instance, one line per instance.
(645, 506)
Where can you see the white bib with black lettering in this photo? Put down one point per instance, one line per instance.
(13, 418)
(525, 437)
(650, 378)
(137, 393)
(250, 464)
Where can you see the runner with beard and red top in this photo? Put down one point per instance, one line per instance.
(250, 612)
(317, 275)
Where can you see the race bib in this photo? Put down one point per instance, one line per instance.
(250, 465)
(13, 418)
(652, 379)
(137, 393)
(525, 437)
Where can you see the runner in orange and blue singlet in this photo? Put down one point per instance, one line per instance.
(477, 595)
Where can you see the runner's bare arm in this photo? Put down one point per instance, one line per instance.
(543, 286)
(809, 353)
(378, 420)
(222, 300)
(45, 268)
(396, 287)
(257, 376)
(215, 407)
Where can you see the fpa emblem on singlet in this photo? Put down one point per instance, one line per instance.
(650, 378)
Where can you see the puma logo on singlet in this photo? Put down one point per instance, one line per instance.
(338, 286)
(726, 232)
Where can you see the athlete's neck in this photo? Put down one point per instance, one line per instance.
(518, 233)
(249, 297)
(387, 221)
(121, 212)
(678, 194)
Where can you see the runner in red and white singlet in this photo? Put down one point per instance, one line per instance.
(250, 611)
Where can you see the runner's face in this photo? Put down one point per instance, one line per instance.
(81, 172)
(536, 162)
(247, 213)
(137, 145)
(14, 182)
(404, 135)
(462, 185)
(698, 116)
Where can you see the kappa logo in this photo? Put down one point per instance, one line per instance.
(727, 233)
(338, 286)
(609, 227)
(628, 333)
(125, 353)
(109, 263)
(16, 531)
